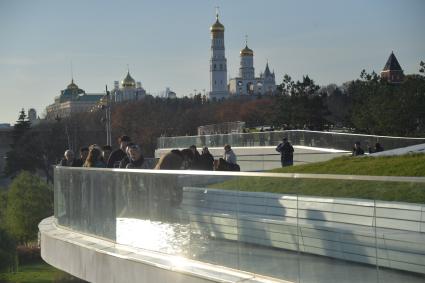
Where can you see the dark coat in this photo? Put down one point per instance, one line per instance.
(78, 163)
(223, 165)
(286, 152)
(172, 160)
(74, 163)
(195, 164)
(206, 161)
(136, 164)
(358, 151)
(124, 162)
(115, 158)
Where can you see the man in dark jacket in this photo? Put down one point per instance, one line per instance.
(135, 157)
(119, 154)
(286, 153)
(84, 152)
(126, 159)
(206, 160)
(195, 164)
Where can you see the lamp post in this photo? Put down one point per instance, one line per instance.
(58, 120)
(108, 118)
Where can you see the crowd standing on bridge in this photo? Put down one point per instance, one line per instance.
(129, 155)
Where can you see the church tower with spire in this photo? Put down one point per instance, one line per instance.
(269, 81)
(247, 84)
(246, 69)
(218, 62)
(392, 71)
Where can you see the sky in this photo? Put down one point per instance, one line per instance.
(167, 43)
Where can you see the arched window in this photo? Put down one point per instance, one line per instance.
(250, 88)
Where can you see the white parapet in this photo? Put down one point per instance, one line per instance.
(98, 260)
(260, 158)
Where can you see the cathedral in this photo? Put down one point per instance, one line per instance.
(246, 83)
(128, 90)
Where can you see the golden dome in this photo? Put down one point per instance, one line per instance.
(247, 51)
(128, 81)
(72, 85)
(217, 26)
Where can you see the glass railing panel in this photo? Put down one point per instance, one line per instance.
(400, 231)
(296, 227)
(86, 201)
(168, 213)
(148, 214)
(213, 221)
(342, 141)
(337, 226)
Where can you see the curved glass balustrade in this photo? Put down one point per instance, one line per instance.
(296, 227)
(342, 141)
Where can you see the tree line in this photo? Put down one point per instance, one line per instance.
(367, 105)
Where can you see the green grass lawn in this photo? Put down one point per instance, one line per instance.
(406, 165)
(410, 165)
(37, 273)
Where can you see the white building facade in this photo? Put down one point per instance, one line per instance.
(246, 83)
(72, 100)
(127, 90)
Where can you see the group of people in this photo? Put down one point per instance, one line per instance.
(358, 150)
(190, 158)
(128, 155)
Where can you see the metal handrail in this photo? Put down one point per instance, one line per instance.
(258, 174)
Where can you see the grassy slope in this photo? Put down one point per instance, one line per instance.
(37, 273)
(407, 165)
(411, 165)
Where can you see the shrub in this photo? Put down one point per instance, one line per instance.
(29, 201)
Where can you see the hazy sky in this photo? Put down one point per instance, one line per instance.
(167, 43)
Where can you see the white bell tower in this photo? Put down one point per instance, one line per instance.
(218, 62)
